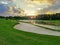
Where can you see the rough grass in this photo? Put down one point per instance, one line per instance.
(11, 36)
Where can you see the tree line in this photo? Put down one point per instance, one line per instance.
(49, 17)
(39, 17)
(14, 17)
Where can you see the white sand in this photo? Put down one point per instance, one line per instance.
(34, 29)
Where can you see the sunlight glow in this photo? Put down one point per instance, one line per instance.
(32, 13)
(31, 5)
(50, 12)
(48, 2)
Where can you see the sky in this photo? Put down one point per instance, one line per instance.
(32, 7)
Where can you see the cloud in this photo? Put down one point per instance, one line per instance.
(53, 6)
(2, 2)
(31, 5)
(43, 6)
(8, 0)
(3, 8)
(48, 2)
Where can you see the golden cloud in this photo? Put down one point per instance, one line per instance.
(48, 2)
(31, 5)
(14, 0)
(39, 1)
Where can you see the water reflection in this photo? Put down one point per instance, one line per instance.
(33, 21)
(29, 21)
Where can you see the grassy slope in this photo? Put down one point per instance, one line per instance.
(11, 36)
(53, 22)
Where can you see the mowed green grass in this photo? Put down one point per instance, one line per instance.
(11, 36)
(52, 22)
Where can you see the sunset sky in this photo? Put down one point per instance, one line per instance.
(35, 6)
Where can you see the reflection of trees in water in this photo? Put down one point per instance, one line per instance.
(33, 21)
